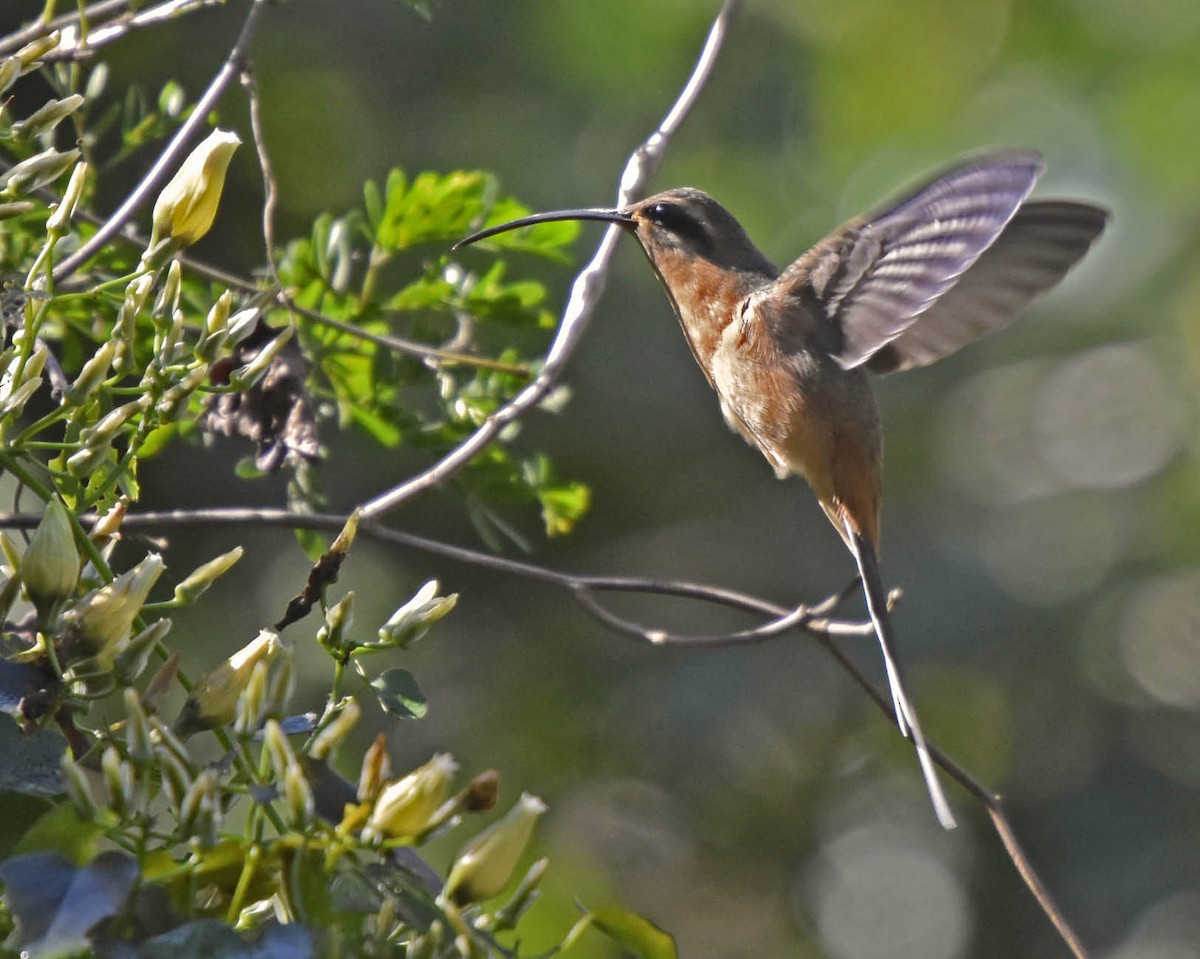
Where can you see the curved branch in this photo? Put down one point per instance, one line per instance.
(585, 292)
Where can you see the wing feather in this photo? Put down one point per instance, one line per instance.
(874, 276)
(1037, 248)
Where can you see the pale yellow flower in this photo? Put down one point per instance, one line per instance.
(405, 808)
(487, 862)
(187, 205)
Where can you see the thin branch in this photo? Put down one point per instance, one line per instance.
(14, 41)
(86, 44)
(234, 63)
(585, 292)
(270, 186)
(119, 23)
(823, 630)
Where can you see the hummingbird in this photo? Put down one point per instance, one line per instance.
(789, 353)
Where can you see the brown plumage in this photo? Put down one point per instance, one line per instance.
(788, 353)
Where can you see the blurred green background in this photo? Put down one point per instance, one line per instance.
(1043, 501)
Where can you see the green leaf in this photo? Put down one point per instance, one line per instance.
(157, 440)
(304, 886)
(373, 204)
(426, 292)
(312, 542)
(432, 207)
(563, 506)
(60, 830)
(399, 694)
(246, 469)
(385, 433)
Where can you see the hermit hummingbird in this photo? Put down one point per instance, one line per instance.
(788, 354)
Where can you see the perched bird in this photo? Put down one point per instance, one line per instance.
(789, 353)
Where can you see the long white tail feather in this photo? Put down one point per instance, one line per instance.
(906, 715)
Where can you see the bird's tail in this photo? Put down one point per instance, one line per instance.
(906, 715)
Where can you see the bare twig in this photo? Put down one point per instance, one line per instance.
(85, 44)
(18, 39)
(585, 292)
(270, 187)
(234, 63)
(119, 23)
(811, 621)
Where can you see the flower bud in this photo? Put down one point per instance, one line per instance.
(96, 82)
(405, 808)
(21, 382)
(481, 792)
(118, 780)
(34, 50)
(167, 301)
(338, 728)
(204, 576)
(134, 656)
(100, 622)
(108, 526)
(92, 375)
(10, 69)
(174, 400)
(137, 729)
(60, 219)
(37, 171)
(214, 699)
(243, 323)
(410, 622)
(487, 862)
(50, 566)
(199, 802)
(283, 757)
(125, 329)
(96, 441)
(166, 742)
(281, 683)
(16, 208)
(249, 710)
(176, 778)
(216, 329)
(332, 636)
(246, 376)
(376, 769)
(298, 795)
(47, 117)
(78, 790)
(187, 205)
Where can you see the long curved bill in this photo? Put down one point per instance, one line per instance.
(609, 216)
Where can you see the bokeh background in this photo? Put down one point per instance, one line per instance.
(1043, 499)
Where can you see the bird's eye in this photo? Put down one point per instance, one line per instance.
(676, 219)
(664, 214)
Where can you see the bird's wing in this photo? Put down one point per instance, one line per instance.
(875, 275)
(1037, 248)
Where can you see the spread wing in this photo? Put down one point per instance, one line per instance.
(1037, 248)
(875, 275)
